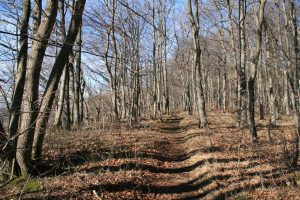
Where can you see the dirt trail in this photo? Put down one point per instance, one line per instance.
(167, 159)
(208, 164)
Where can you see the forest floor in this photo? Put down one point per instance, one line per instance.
(166, 159)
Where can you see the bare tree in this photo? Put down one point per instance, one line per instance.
(63, 84)
(194, 19)
(253, 69)
(77, 81)
(242, 85)
(294, 82)
(55, 75)
(20, 77)
(31, 92)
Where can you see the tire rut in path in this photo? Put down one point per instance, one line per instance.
(182, 184)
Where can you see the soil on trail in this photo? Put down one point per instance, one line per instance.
(166, 159)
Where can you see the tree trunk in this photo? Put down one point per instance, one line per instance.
(82, 114)
(123, 80)
(225, 82)
(165, 96)
(114, 76)
(295, 85)
(253, 71)
(286, 93)
(77, 81)
(62, 92)
(4, 155)
(154, 66)
(270, 85)
(236, 65)
(31, 93)
(67, 110)
(37, 14)
(72, 87)
(60, 105)
(54, 78)
(194, 19)
(242, 86)
(261, 93)
(18, 92)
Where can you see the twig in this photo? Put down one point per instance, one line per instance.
(24, 187)
(4, 163)
(7, 182)
(96, 195)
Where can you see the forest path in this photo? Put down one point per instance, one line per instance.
(165, 159)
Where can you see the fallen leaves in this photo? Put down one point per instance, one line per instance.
(166, 159)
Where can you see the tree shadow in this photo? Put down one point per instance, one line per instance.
(218, 191)
(65, 164)
(269, 179)
(186, 187)
(177, 170)
(62, 164)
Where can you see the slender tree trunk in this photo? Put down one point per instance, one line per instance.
(21, 71)
(242, 86)
(115, 84)
(135, 90)
(15, 110)
(62, 92)
(282, 55)
(31, 93)
(5, 153)
(219, 97)
(58, 114)
(2, 134)
(236, 65)
(123, 79)
(253, 71)
(261, 93)
(82, 113)
(286, 93)
(295, 85)
(67, 111)
(165, 96)
(154, 66)
(54, 78)
(77, 81)
(194, 19)
(269, 75)
(224, 85)
(37, 14)
(72, 87)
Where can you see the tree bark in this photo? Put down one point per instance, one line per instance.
(194, 19)
(77, 81)
(242, 85)
(71, 86)
(62, 92)
(18, 92)
(154, 66)
(31, 93)
(54, 78)
(67, 110)
(295, 85)
(60, 104)
(253, 71)
(270, 77)
(165, 95)
(4, 155)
